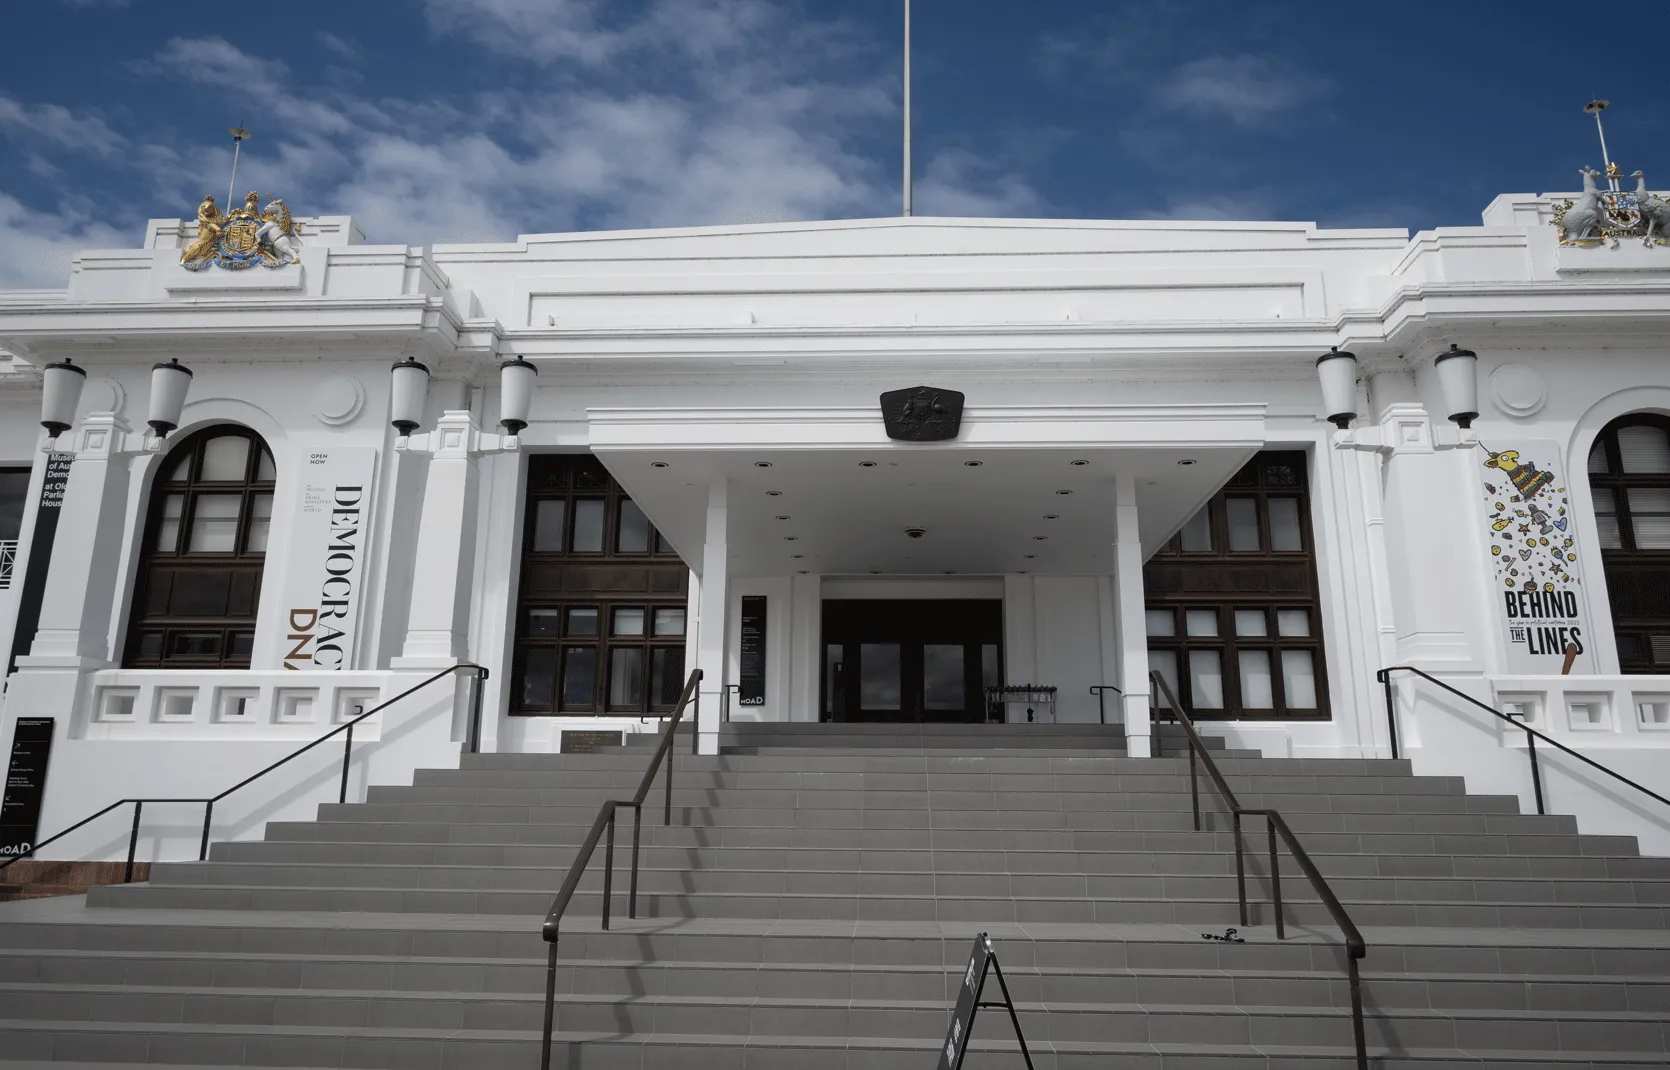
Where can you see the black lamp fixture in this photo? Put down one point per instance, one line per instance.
(410, 393)
(60, 392)
(1458, 378)
(516, 378)
(1338, 372)
(168, 396)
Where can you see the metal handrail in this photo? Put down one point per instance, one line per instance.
(1101, 703)
(1275, 825)
(605, 823)
(1531, 734)
(472, 741)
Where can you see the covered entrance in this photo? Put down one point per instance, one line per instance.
(926, 660)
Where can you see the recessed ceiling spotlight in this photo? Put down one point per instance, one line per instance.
(762, 464)
(1064, 492)
(1078, 464)
(803, 572)
(658, 464)
(773, 494)
(875, 572)
(866, 464)
(949, 572)
(1186, 461)
(1039, 538)
(791, 538)
(1052, 516)
(1029, 557)
(797, 557)
(973, 464)
(783, 518)
(1021, 572)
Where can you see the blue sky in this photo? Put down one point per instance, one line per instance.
(460, 120)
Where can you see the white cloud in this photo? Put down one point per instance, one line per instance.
(40, 245)
(1247, 89)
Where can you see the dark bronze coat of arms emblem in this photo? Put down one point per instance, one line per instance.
(922, 413)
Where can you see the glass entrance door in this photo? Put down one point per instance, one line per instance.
(927, 660)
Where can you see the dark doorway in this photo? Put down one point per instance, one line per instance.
(927, 660)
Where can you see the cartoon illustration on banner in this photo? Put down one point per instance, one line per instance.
(1534, 555)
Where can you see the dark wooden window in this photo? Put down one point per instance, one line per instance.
(14, 495)
(203, 549)
(1629, 477)
(1233, 621)
(601, 614)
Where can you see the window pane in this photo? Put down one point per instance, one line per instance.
(214, 523)
(662, 546)
(1251, 622)
(633, 537)
(1298, 679)
(1243, 523)
(1202, 621)
(543, 621)
(241, 645)
(666, 675)
(991, 674)
(942, 676)
(582, 621)
(265, 470)
(626, 678)
(1292, 622)
(194, 644)
(1197, 533)
(878, 676)
(1206, 680)
(669, 621)
(14, 492)
(1164, 662)
(226, 458)
(1161, 621)
(1606, 519)
(260, 522)
(1643, 450)
(1256, 692)
(150, 645)
(168, 530)
(181, 469)
(579, 677)
(1597, 458)
(547, 525)
(832, 683)
(629, 622)
(1650, 513)
(588, 526)
(539, 671)
(1284, 524)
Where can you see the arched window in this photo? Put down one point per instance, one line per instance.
(205, 542)
(1629, 477)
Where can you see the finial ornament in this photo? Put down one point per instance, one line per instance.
(1604, 216)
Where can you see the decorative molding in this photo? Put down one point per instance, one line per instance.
(338, 401)
(1517, 390)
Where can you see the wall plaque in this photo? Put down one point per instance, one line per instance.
(40, 554)
(1534, 557)
(20, 810)
(326, 550)
(583, 741)
(751, 653)
(922, 413)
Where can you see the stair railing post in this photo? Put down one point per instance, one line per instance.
(477, 676)
(550, 1007)
(133, 841)
(1240, 869)
(1194, 783)
(1536, 770)
(695, 722)
(1275, 877)
(637, 826)
(609, 866)
(208, 815)
(1357, 1011)
(1385, 676)
(347, 751)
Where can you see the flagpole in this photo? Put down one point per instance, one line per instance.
(907, 109)
(239, 136)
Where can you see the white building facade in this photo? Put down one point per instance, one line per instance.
(1143, 476)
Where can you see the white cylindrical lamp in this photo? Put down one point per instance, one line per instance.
(516, 378)
(1458, 378)
(409, 395)
(1338, 373)
(60, 392)
(168, 395)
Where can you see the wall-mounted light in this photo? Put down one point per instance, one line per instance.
(516, 378)
(410, 393)
(60, 392)
(1338, 372)
(1459, 380)
(168, 396)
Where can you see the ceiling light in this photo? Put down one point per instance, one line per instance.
(773, 494)
(1039, 538)
(782, 518)
(1029, 557)
(797, 557)
(762, 464)
(973, 464)
(1078, 464)
(791, 538)
(1052, 516)
(866, 464)
(658, 464)
(949, 572)
(1064, 492)
(1185, 462)
(875, 572)
(803, 572)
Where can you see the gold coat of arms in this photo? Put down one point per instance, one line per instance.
(246, 236)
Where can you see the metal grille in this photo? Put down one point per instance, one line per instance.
(8, 561)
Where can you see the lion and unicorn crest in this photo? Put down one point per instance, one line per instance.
(245, 237)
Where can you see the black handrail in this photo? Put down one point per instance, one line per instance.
(1531, 734)
(605, 822)
(472, 741)
(1101, 707)
(1275, 825)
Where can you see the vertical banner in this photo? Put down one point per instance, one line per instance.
(751, 654)
(1534, 557)
(325, 581)
(20, 809)
(40, 554)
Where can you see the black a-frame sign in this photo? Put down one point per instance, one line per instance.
(968, 1001)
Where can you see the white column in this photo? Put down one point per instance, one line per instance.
(84, 573)
(715, 603)
(805, 648)
(437, 628)
(1133, 631)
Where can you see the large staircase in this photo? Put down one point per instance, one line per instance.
(813, 904)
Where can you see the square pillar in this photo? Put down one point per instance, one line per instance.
(713, 625)
(1129, 611)
(437, 626)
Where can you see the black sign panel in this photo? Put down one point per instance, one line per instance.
(751, 657)
(20, 810)
(579, 741)
(40, 555)
(968, 999)
(922, 413)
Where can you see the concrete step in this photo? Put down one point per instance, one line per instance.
(990, 761)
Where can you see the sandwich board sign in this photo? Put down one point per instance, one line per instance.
(982, 960)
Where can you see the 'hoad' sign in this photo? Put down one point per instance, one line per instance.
(327, 559)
